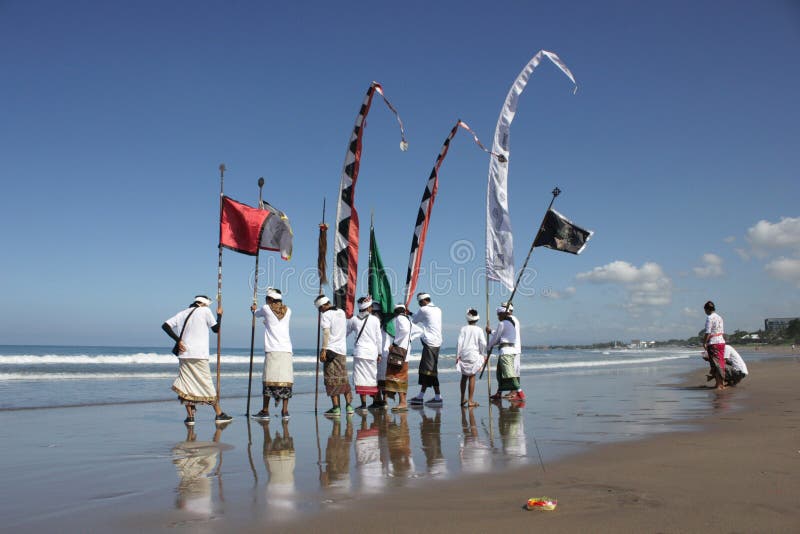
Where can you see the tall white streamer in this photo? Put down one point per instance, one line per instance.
(499, 239)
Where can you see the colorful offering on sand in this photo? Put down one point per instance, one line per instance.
(541, 503)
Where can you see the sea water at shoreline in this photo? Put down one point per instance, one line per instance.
(47, 376)
(151, 464)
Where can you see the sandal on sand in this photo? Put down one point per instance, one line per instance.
(496, 396)
(396, 409)
(473, 404)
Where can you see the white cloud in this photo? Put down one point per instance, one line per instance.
(711, 268)
(647, 285)
(730, 239)
(787, 269)
(690, 312)
(556, 295)
(784, 234)
(742, 253)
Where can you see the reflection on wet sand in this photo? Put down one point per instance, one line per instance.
(511, 426)
(336, 473)
(398, 440)
(279, 459)
(430, 430)
(368, 454)
(195, 461)
(475, 455)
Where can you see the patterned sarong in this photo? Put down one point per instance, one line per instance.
(429, 366)
(335, 372)
(194, 382)
(505, 373)
(397, 378)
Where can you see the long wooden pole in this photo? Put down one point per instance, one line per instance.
(555, 193)
(253, 322)
(319, 322)
(219, 273)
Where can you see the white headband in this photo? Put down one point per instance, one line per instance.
(274, 294)
(471, 317)
(203, 300)
(400, 307)
(501, 309)
(365, 305)
(321, 300)
(423, 296)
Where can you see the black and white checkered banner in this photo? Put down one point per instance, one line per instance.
(345, 246)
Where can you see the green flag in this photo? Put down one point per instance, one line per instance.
(379, 287)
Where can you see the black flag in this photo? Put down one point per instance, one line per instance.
(559, 233)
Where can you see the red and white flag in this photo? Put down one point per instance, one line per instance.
(246, 229)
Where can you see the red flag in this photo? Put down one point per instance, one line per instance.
(241, 226)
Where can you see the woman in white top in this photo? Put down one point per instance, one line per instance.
(470, 355)
(714, 343)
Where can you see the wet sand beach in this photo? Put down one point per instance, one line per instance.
(740, 473)
(627, 451)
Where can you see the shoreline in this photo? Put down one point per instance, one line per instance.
(707, 479)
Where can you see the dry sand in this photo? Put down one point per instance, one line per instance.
(741, 473)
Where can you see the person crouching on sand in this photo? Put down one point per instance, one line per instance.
(470, 355)
(194, 384)
(278, 377)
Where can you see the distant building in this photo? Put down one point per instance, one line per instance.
(778, 323)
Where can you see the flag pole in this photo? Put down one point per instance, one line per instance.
(322, 227)
(255, 303)
(219, 272)
(555, 192)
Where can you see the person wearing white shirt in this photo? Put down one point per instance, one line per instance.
(189, 330)
(429, 319)
(333, 323)
(366, 329)
(470, 355)
(386, 341)
(397, 374)
(278, 375)
(735, 368)
(506, 337)
(714, 343)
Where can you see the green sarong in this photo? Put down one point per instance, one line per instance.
(505, 373)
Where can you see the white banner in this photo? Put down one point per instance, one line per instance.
(499, 239)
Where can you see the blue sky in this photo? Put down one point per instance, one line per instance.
(680, 150)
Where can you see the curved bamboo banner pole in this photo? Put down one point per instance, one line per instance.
(255, 303)
(555, 193)
(219, 273)
(322, 227)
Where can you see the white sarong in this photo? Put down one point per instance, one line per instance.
(278, 369)
(194, 381)
(470, 364)
(365, 372)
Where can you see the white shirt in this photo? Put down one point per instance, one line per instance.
(715, 327)
(276, 331)
(471, 343)
(370, 342)
(196, 335)
(429, 318)
(733, 359)
(505, 332)
(336, 322)
(405, 332)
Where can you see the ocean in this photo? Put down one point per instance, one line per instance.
(34, 376)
